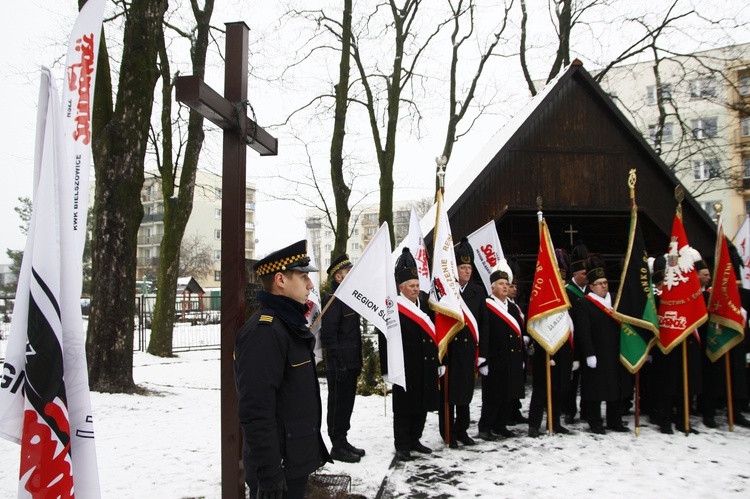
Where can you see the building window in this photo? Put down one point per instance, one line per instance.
(329, 233)
(217, 233)
(652, 97)
(667, 134)
(217, 275)
(702, 88)
(708, 206)
(704, 169)
(355, 246)
(328, 262)
(371, 217)
(329, 247)
(217, 254)
(745, 85)
(217, 192)
(217, 213)
(371, 231)
(356, 231)
(746, 126)
(704, 128)
(745, 167)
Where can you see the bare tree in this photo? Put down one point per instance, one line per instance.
(120, 130)
(196, 257)
(177, 169)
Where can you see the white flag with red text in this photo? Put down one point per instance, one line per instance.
(370, 290)
(487, 251)
(313, 301)
(418, 249)
(45, 403)
(742, 243)
(445, 292)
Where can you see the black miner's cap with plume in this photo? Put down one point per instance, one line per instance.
(464, 252)
(515, 269)
(406, 267)
(578, 256)
(595, 267)
(563, 263)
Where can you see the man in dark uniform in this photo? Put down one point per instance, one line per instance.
(462, 353)
(279, 397)
(342, 339)
(576, 288)
(560, 371)
(410, 406)
(516, 417)
(502, 347)
(597, 338)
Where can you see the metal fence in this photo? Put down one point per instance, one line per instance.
(197, 325)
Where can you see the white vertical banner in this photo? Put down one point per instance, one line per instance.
(487, 251)
(370, 290)
(742, 243)
(313, 301)
(44, 396)
(415, 243)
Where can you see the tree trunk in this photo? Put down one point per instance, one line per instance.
(119, 150)
(341, 191)
(177, 209)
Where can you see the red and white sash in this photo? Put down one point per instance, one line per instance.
(470, 321)
(501, 312)
(410, 309)
(599, 302)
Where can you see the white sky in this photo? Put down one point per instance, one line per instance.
(34, 33)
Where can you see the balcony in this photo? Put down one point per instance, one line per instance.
(148, 261)
(154, 217)
(150, 240)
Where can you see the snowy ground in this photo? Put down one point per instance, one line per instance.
(167, 446)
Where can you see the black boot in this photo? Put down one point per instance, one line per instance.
(354, 450)
(339, 452)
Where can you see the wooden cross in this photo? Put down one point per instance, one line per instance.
(571, 231)
(239, 132)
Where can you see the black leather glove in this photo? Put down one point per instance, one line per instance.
(273, 491)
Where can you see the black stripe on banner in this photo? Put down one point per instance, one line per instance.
(52, 298)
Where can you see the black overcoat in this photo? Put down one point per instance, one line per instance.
(504, 351)
(279, 397)
(341, 336)
(598, 334)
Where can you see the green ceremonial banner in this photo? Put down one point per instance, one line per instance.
(635, 307)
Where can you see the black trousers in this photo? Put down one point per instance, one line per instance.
(342, 389)
(538, 405)
(569, 398)
(460, 418)
(593, 410)
(407, 430)
(295, 488)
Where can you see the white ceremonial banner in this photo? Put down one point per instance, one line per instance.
(313, 301)
(415, 243)
(742, 243)
(370, 290)
(487, 251)
(44, 397)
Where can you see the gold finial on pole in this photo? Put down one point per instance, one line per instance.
(679, 195)
(441, 163)
(632, 177)
(718, 207)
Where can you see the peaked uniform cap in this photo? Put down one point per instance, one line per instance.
(464, 252)
(342, 262)
(293, 257)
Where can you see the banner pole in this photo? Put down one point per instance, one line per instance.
(638, 403)
(685, 391)
(550, 427)
(447, 418)
(730, 405)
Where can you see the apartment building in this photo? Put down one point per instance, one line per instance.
(204, 225)
(704, 101)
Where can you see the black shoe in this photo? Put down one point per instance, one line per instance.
(485, 435)
(354, 450)
(421, 448)
(666, 429)
(534, 432)
(503, 432)
(561, 429)
(710, 422)
(343, 455)
(599, 430)
(518, 419)
(741, 420)
(681, 429)
(620, 428)
(404, 455)
(453, 444)
(466, 440)
(570, 419)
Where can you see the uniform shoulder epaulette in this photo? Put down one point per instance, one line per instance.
(266, 318)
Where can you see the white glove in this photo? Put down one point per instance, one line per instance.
(576, 365)
(747, 358)
(552, 362)
(482, 360)
(385, 378)
(441, 371)
(484, 370)
(526, 341)
(650, 358)
(591, 361)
